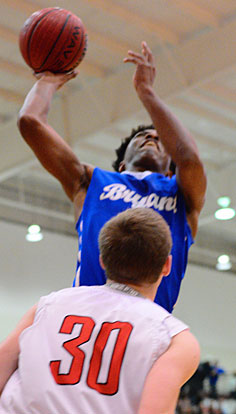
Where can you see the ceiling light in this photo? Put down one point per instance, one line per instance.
(224, 201)
(34, 233)
(224, 258)
(34, 229)
(225, 213)
(223, 262)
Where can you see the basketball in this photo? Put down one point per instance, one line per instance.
(53, 39)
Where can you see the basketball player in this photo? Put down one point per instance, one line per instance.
(144, 178)
(104, 349)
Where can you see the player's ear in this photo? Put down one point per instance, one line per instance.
(101, 262)
(169, 174)
(167, 266)
(122, 166)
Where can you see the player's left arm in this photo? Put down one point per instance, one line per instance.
(169, 373)
(176, 139)
(10, 349)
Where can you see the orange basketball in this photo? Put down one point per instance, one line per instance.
(53, 39)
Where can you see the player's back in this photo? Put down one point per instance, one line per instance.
(88, 352)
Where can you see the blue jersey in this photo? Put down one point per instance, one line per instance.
(108, 194)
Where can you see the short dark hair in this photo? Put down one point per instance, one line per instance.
(120, 151)
(134, 246)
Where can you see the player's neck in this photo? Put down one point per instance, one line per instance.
(135, 168)
(148, 291)
(146, 164)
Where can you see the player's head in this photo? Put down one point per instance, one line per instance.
(141, 151)
(135, 246)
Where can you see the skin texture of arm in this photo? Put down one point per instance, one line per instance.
(177, 141)
(169, 373)
(9, 348)
(55, 155)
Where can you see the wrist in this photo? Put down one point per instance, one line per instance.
(145, 91)
(48, 85)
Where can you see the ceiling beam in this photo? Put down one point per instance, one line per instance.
(207, 55)
(212, 142)
(36, 209)
(206, 96)
(200, 13)
(220, 91)
(117, 46)
(88, 68)
(25, 6)
(16, 170)
(161, 30)
(92, 69)
(100, 150)
(8, 34)
(202, 112)
(15, 69)
(11, 96)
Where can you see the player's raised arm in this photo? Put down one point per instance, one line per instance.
(9, 348)
(177, 140)
(168, 374)
(52, 151)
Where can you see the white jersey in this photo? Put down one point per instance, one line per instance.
(88, 351)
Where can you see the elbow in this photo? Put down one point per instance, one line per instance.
(27, 124)
(192, 163)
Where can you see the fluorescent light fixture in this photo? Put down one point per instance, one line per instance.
(34, 237)
(34, 233)
(224, 201)
(223, 262)
(34, 229)
(224, 258)
(225, 213)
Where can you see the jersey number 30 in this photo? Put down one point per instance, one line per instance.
(110, 387)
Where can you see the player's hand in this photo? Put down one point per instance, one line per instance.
(58, 79)
(145, 67)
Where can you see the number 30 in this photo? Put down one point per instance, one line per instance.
(110, 387)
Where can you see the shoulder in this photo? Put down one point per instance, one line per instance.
(98, 174)
(183, 355)
(169, 326)
(164, 322)
(174, 325)
(185, 348)
(56, 297)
